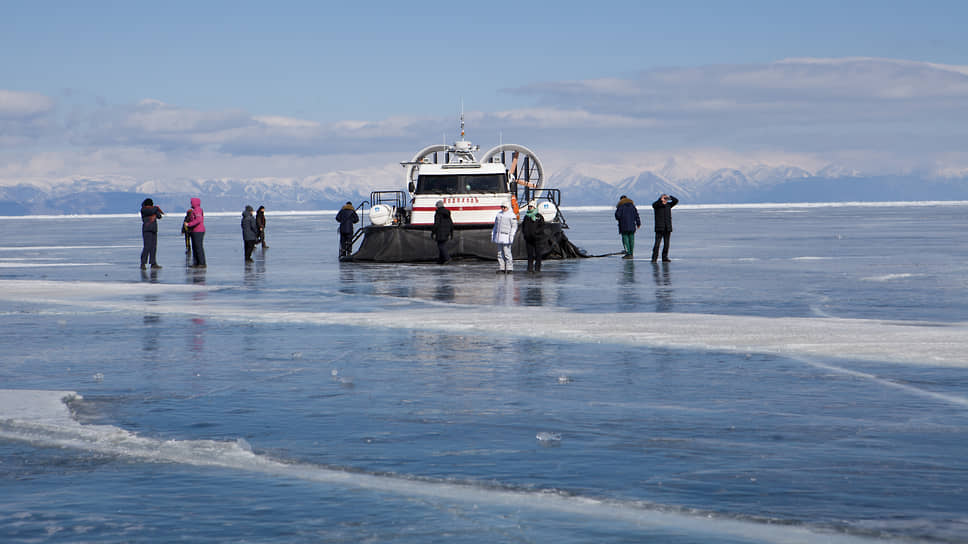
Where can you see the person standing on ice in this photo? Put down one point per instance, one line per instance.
(627, 216)
(532, 227)
(150, 214)
(197, 227)
(250, 233)
(187, 231)
(663, 225)
(346, 217)
(260, 221)
(442, 231)
(502, 234)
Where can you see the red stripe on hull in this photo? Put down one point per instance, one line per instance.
(459, 208)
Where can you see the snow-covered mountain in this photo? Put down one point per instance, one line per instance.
(690, 183)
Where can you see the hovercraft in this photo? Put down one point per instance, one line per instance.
(474, 191)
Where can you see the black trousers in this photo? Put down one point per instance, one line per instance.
(534, 256)
(661, 236)
(345, 243)
(150, 246)
(198, 248)
(442, 255)
(249, 246)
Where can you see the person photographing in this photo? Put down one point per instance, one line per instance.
(663, 225)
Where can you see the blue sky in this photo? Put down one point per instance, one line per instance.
(95, 88)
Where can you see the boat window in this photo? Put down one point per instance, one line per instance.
(484, 183)
(441, 185)
(453, 184)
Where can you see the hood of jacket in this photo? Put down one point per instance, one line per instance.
(625, 201)
(347, 207)
(196, 202)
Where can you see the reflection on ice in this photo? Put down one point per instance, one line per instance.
(893, 341)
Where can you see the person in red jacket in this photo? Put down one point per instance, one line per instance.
(197, 226)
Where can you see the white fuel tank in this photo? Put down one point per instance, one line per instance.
(381, 215)
(547, 210)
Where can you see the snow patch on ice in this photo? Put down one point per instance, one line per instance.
(911, 342)
(42, 417)
(891, 277)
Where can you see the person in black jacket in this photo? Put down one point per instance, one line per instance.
(150, 214)
(260, 222)
(532, 228)
(627, 216)
(346, 218)
(663, 225)
(187, 231)
(250, 233)
(442, 231)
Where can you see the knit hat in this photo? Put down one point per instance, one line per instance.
(248, 208)
(440, 203)
(532, 204)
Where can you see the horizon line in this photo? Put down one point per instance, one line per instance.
(577, 209)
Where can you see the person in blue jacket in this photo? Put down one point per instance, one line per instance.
(628, 221)
(347, 218)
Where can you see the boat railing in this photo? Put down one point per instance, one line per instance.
(361, 211)
(551, 195)
(397, 199)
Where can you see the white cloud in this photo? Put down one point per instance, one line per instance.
(566, 118)
(24, 117)
(285, 122)
(858, 114)
(904, 109)
(16, 105)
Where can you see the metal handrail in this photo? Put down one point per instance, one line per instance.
(552, 195)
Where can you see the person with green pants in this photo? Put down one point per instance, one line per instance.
(628, 221)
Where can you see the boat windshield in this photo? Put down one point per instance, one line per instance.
(456, 184)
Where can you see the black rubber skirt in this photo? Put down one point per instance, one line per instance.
(413, 244)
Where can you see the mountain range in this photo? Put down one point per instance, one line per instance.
(758, 184)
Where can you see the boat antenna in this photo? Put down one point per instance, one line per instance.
(461, 118)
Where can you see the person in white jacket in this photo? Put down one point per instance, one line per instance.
(505, 227)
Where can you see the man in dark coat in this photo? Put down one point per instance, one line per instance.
(150, 214)
(663, 225)
(442, 231)
(260, 222)
(628, 220)
(250, 233)
(346, 218)
(532, 227)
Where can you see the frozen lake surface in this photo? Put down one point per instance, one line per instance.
(797, 374)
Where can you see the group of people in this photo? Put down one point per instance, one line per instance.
(532, 226)
(193, 227)
(253, 230)
(628, 219)
(503, 232)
